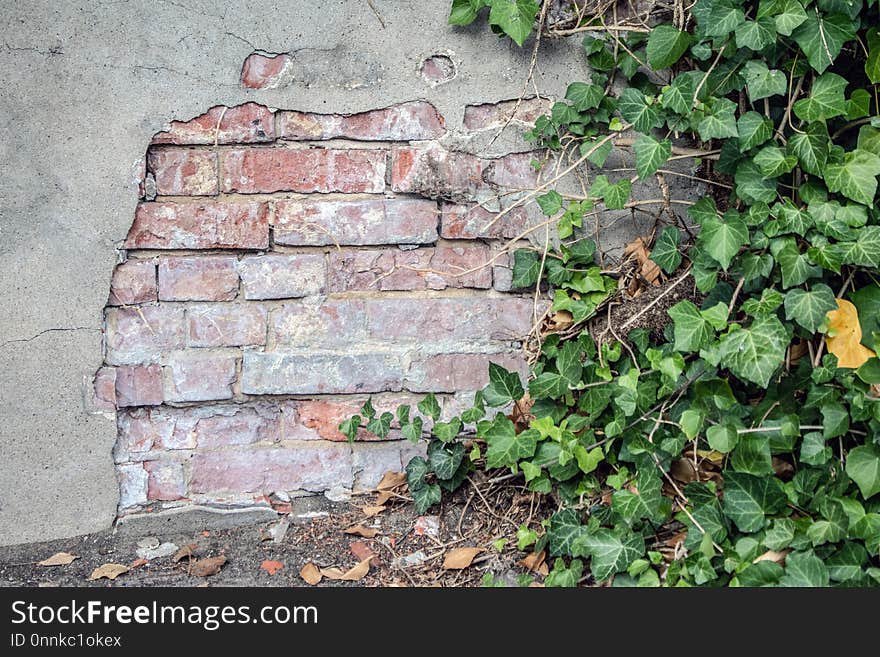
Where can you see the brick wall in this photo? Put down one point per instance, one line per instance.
(281, 267)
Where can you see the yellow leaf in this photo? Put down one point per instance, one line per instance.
(845, 336)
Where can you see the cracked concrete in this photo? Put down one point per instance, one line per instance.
(84, 87)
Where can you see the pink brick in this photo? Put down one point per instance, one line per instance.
(183, 172)
(283, 276)
(139, 429)
(404, 122)
(243, 124)
(313, 467)
(226, 325)
(202, 278)
(496, 115)
(103, 395)
(315, 373)
(334, 322)
(449, 319)
(138, 385)
(472, 222)
(236, 425)
(434, 171)
(304, 170)
(132, 480)
(323, 417)
(418, 269)
(202, 225)
(437, 69)
(459, 372)
(371, 221)
(266, 71)
(141, 335)
(192, 376)
(166, 480)
(513, 171)
(133, 282)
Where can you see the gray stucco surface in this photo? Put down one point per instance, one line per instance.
(84, 87)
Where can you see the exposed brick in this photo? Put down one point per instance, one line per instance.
(314, 325)
(133, 282)
(362, 222)
(132, 485)
(203, 278)
(307, 466)
(496, 115)
(266, 71)
(201, 225)
(139, 429)
(370, 462)
(321, 418)
(418, 269)
(437, 69)
(459, 372)
(138, 385)
(166, 480)
(502, 274)
(473, 222)
(311, 373)
(433, 171)
(103, 393)
(304, 170)
(183, 172)
(141, 335)
(193, 376)
(215, 427)
(404, 122)
(449, 319)
(243, 124)
(514, 171)
(283, 276)
(226, 325)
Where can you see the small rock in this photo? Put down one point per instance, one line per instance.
(148, 543)
(410, 560)
(157, 552)
(278, 531)
(427, 526)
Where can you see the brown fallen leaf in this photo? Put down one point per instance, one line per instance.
(773, 555)
(58, 559)
(561, 320)
(271, 567)
(207, 567)
(186, 552)
(108, 571)
(845, 336)
(460, 558)
(392, 480)
(371, 511)
(360, 530)
(137, 563)
(310, 574)
(353, 575)
(638, 250)
(683, 470)
(535, 562)
(383, 496)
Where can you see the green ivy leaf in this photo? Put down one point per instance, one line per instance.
(773, 162)
(752, 455)
(763, 82)
(721, 17)
(514, 17)
(447, 431)
(635, 108)
(752, 186)
(863, 467)
(413, 430)
(564, 576)
(769, 301)
(811, 148)
(679, 96)
(804, 569)
(752, 129)
(464, 12)
(526, 265)
(665, 252)
(756, 35)
(826, 99)
(584, 96)
(425, 497)
(808, 308)
(822, 37)
(429, 406)
(565, 529)
(350, 427)
(504, 386)
(550, 203)
(381, 425)
(756, 352)
(846, 564)
(644, 503)
(865, 250)
(796, 268)
(722, 437)
(868, 529)
(858, 105)
(445, 459)
(748, 499)
(762, 573)
(833, 526)
(791, 15)
(666, 45)
(611, 551)
(651, 154)
(719, 122)
(505, 446)
(856, 178)
(692, 332)
(872, 63)
(723, 238)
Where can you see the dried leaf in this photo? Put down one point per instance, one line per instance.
(109, 571)
(360, 530)
(392, 480)
(58, 559)
(797, 351)
(845, 336)
(355, 574)
(310, 574)
(561, 320)
(683, 470)
(711, 455)
(371, 511)
(186, 552)
(271, 567)
(383, 496)
(362, 551)
(534, 561)
(137, 563)
(207, 567)
(460, 558)
(638, 250)
(773, 555)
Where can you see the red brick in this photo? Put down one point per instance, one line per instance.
(266, 71)
(244, 124)
(371, 221)
(434, 171)
(404, 122)
(437, 69)
(283, 276)
(226, 325)
(313, 467)
(337, 322)
(202, 278)
(417, 269)
(513, 171)
(103, 394)
(138, 385)
(459, 372)
(193, 376)
(202, 225)
(315, 373)
(236, 425)
(304, 170)
(496, 115)
(141, 335)
(166, 480)
(472, 222)
(133, 282)
(183, 172)
(322, 418)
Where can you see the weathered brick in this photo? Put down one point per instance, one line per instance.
(226, 325)
(266, 71)
(502, 274)
(183, 171)
(243, 124)
(449, 319)
(514, 171)
(370, 462)
(222, 426)
(138, 385)
(322, 170)
(202, 225)
(418, 269)
(433, 171)
(437, 69)
(473, 222)
(314, 325)
(283, 276)
(404, 122)
(194, 376)
(202, 278)
(313, 467)
(103, 393)
(139, 429)
(320, 418)
(166, 480)
(362, 222)
(496, 115)
(132, 480)
(139, 335)
(459, 372)
(311, 373)
(133, 282)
